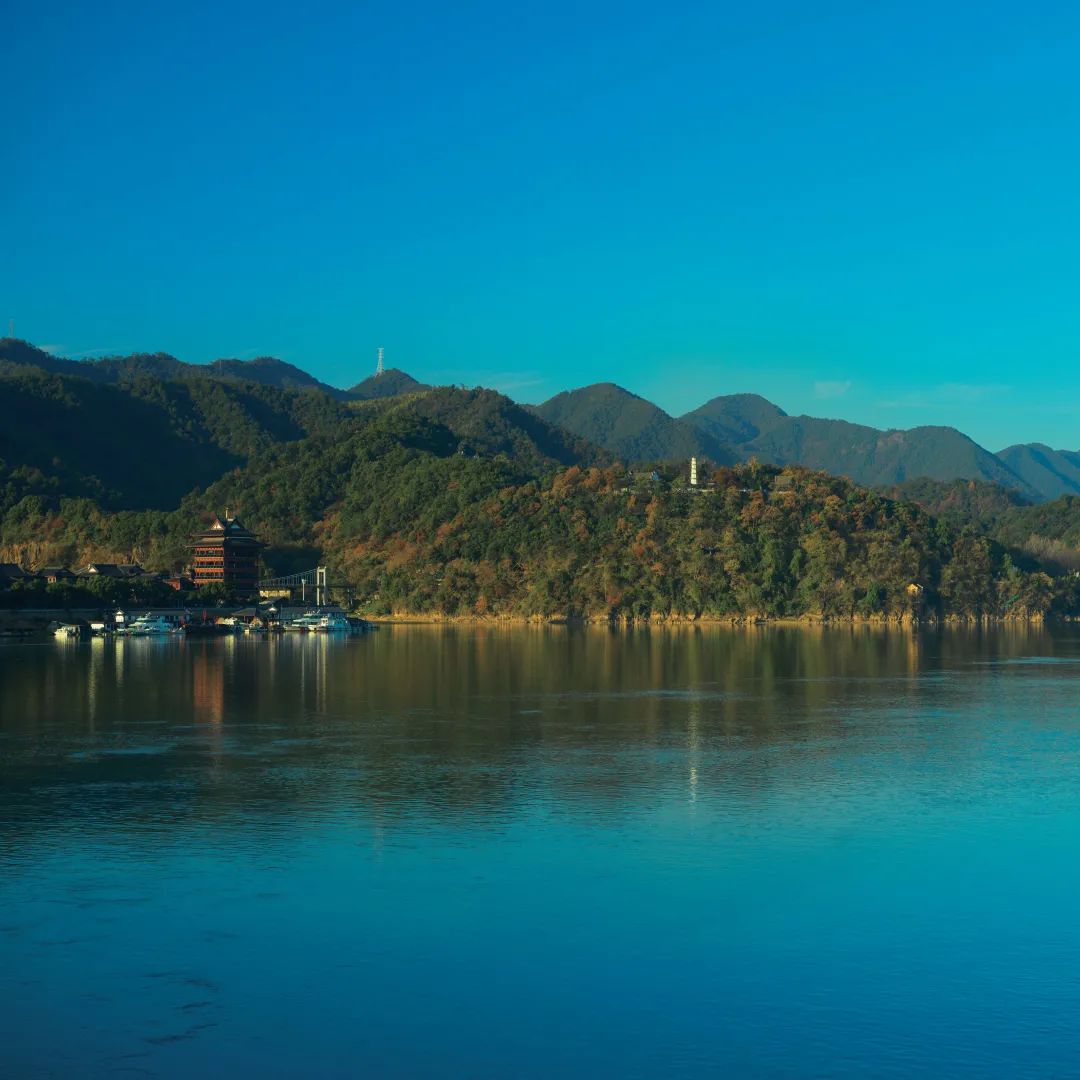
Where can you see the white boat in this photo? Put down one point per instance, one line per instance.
(147, 626)
(308, 621)
(67, 631)
(333, 623)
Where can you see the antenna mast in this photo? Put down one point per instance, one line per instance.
(379, 369)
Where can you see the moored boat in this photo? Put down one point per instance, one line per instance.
(303, 623)
(148, 626)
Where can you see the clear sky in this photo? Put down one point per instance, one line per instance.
(863, 210)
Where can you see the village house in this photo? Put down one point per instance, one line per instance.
(53, 574)
(10, 573)
(119, 571)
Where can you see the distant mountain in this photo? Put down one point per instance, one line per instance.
(22, 353)
(629, 426)
(959, 502)
(757, 428)
(1052, 473)
(725, 430)
(488, 423)
(391, 383)
(144, 443)
(736, 418)
(264, 370)
(269, 371)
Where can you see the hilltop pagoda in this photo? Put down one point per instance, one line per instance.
(228, 553)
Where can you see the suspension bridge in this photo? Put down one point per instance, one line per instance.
(309, 585)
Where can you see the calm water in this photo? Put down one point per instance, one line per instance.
(533, 853)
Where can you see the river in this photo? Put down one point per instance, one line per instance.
(471, 851)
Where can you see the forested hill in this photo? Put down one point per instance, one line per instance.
(264, 370)
(756, 428)
(421, 527)
(1049, 472)
(629, 426)
(460, 503)
(463, 502)
(741, 427)
(726, 429)
(144, 443)
(390, 383)
(1047, 533)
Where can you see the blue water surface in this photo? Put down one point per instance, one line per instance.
(435, 852)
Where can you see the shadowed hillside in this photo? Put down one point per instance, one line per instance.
(629, 426)
(1051, 473)
(758, 429)
(391, 383)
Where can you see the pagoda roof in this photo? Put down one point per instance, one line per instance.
(232, 528)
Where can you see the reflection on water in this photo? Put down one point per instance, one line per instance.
(447, 851)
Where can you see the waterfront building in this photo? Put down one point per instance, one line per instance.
(227, 553)
(118, 571)
(10, 573)
(53, 574)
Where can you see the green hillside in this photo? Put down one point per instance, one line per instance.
(264, 370)
(1047, 534)
(758, 429)
(1051, 473)
(960, 502)
(735, 418)
(462, 502)
(420, 528)
(391, 383)
(145, 443)
(632, 428)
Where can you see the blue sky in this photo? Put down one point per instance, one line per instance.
(867, 211)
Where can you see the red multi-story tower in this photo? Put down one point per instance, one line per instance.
(228, 553)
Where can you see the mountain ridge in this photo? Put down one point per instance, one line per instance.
(1052, 472)
(629, 426)
(264, 370)
(726, 429)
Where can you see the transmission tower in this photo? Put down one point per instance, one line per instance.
(379, 369)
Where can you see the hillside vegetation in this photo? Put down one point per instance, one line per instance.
(628, 426)
(400, 504)
(1047, 534)
(726, 429)
(744, 427)
(461, 502)
(1051, 473)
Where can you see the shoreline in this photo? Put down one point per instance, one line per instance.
(16, 623)
(747, 621)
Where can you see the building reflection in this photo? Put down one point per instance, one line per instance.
(208, 686)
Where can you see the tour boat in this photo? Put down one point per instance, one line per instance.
(148, 625)
(308, 621)
(68, 630)
(333, 623)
